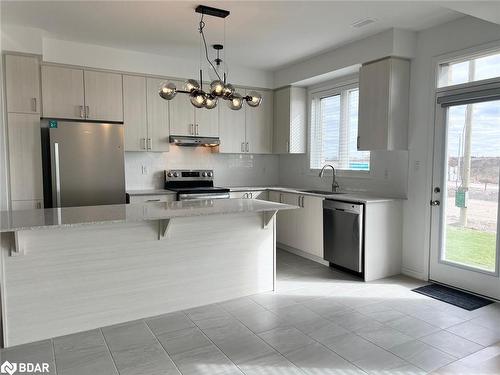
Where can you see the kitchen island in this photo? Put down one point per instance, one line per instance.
(66, 270)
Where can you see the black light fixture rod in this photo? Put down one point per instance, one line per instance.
(201, 80)
(209, 11)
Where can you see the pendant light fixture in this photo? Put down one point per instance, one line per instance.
(219, 87)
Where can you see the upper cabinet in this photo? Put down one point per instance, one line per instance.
(290, 124)
(259, 125)
(248, 130)
(72, 93)
(157, 116)
(187, 120)
(145, 116)
(22, 83)
(383, 105)
(103, 96)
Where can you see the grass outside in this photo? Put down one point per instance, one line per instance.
(471, 247)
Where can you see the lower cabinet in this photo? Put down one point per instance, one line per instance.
(302, 228)
(26, 205)
(152, 198)
(249, 195)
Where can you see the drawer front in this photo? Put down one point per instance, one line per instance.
(152, 198)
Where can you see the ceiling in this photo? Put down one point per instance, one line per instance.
(262, 35)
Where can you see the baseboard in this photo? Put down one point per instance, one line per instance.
(414, 274)
(302, 254)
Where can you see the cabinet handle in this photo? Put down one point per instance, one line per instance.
(143, 142)
(82, 111)
(302, 201)
(87, 111)
(153, 200)
(288, 147)
(247, 147)
(281, 198)
(251, 195)
(357, 142)
(242, 146)
(150, 144)
(38, 204)
(33, 104)
(197, 129)
(245, 195)
(191, 129)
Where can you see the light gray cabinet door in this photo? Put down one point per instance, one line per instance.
(259, 125)
(134, 113)
(281, 137)
(207, 122)
(103, 96)
(231, 129)
(181, 114)
(25, 156)
(22, 81)
(158, 117)
(62, 92)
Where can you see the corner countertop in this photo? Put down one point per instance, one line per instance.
(150, 192)
(348, 196)
(12, 221)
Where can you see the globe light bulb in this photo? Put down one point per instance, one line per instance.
(236, 102)
(210, 101)
(167, 90)
(217, 88)
(253, 98)
(228, 91)
(191, 85)
(198, 99)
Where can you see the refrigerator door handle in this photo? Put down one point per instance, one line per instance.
(57, 174)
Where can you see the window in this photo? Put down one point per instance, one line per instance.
(469, 70)
(334, 130)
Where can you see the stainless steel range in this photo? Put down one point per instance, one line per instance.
(194, 184)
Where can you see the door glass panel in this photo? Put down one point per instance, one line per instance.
(472, 178)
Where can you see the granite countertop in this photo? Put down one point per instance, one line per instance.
(359, 197)
(11, 221)
(150, 192)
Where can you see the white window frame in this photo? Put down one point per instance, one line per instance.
(331, 88)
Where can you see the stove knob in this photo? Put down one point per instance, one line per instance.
(204, 174)
(210, 174)
(169, 174)
(176, 174)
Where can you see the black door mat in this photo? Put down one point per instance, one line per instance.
(455, 297)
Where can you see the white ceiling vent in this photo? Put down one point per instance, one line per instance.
(364, 22)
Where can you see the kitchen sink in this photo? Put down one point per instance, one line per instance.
(322, 192)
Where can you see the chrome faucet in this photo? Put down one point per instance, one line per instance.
(335, 185)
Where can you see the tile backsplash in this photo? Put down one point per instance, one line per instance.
(144, 170)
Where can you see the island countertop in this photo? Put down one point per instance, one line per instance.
(12, 221)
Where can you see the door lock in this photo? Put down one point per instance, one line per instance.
(435, 203)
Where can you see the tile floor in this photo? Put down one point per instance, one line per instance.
(318, 322)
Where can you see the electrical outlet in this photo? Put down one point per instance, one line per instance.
(144, 170)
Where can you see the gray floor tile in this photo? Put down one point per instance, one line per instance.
(326, 307)
(273, 301)
(315, 359)
(135, 350)
(184, 340)
(169, 323)
(380, 361)
(262, 322)
(477, 333)
(384, 336)
(83, 353)
(327, 334)
(412, 326)
(439, 319)
(286, 339)
(36, 352)
(451, 344)
(422, 355)
(241, 306)
(206, 312)
(352, 347)
(271, 364)
(207, 360)
(354, 321)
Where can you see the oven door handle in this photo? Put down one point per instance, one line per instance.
(183, 197)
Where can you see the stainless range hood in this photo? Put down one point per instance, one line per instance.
(183, 140)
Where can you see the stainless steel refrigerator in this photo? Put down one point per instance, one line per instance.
(83, 163)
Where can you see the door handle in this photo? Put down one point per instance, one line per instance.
(57, 174)
(150, 144)
(242, 146)
(143, 141)
(435, 203)
(247, 147)
(33, 104)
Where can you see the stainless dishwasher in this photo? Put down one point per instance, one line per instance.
(343, 234)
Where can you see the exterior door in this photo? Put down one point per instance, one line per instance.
(465, 196)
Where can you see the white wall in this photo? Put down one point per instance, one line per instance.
(229, 169)
(457, 35)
